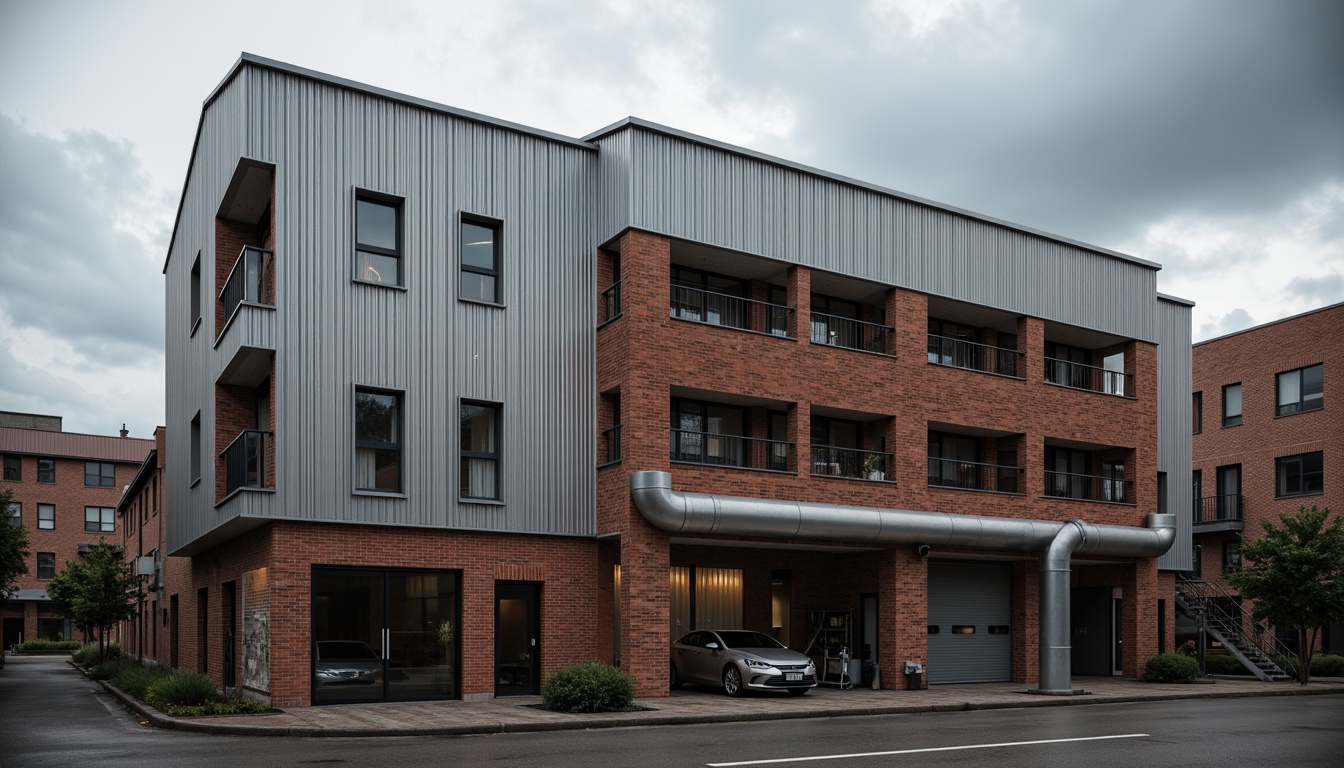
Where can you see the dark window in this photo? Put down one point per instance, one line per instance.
(479, 465)
(953, 343)
(1196, 489)
(779, 441)
(377, 241)
(709, 433)
(46, 565)
(1231, 556)
(196, 447)
(196, 291)
(1197, 411)
(480, 261)
(953, 460)
(46, 517)
(1113, 481)
(15, 514)
(832, 327)
(1299, 475)
(1301, 390)
(377, 441)
(1068, 366)
(1228, 503)
(1066, 473)
(46, 470)
(99, 519)
(706, 297)
(1197, 561)
(100, 474)
(1232, 405)
(13, 468)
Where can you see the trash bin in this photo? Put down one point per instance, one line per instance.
(914, 676)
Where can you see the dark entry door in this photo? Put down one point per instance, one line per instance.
(13, 632)
(1092, 633)
(517, 639)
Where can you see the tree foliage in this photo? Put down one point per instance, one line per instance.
(96, 591)
(13, 548)
(1295, 574)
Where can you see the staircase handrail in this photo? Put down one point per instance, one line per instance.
(1262, 637)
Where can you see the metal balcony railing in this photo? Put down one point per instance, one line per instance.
(611, 303)
(1213, 509)
(959, 353)
(1066, 485)
(1089, 377)
(832, 461)
(849, 333)
(975, 476)
(245, 461)
(720, 309)
(611, 441)
(248, 281)
(731, 450)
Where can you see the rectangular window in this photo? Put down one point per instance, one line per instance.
(46, 565)
(377, 441)
(709, 433)
(1232, 405)
(1231, 556)
(377, 240)
(479, 466)
(1299, 475)
(480, 261)
(1301, 390)
(1197, 410)
(46, 470)
(100, 474)
(1228, 504)
(14, 514)
(46, 517)
(196, 291)
(99, 519)
(13, 468)
(196, 448)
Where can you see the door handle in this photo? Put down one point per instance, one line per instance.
(534, 642)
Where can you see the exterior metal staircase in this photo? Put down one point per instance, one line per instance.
(1258, 650)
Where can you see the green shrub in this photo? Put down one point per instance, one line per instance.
(235, 706)
(111, 668)
(183, 689)
(588, 687)
(87, 655)
(137, 678)
(1171, 668)
(1224, 664)
(33, 646)
(1327, 665)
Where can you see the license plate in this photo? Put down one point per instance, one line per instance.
(788, 676)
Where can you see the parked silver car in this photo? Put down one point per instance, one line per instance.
(347, 662)
(738, 659)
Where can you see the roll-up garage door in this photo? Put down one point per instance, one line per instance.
(969, 609)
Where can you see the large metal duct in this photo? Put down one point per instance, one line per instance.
(702, 513)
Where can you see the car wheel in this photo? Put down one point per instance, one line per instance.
(732, 681)
(676, 679)
(798, 691)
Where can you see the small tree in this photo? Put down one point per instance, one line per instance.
(1296, 576)
(96, 591)
(13, 549)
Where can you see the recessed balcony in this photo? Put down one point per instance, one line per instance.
(245, 461)
(1066, 373)
(974, 356)
(1218, 513)
(852, 463)
(699, 305)
(975, 476)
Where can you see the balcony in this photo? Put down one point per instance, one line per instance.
(960, 353)
(250, 281)
(1089, 377)
(836, 331)
(245, 461)
(832, 461)
(1066, 485)
(740, 451)
(610, 308)
(975, 476)
(1218, 513)
(702, 306)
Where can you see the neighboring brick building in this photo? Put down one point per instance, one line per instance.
(1269, 433)
(404, 463)
(66, 487)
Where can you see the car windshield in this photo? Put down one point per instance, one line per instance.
(339, 649)
(748, 640)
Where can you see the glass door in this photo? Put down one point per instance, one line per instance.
(517, 636)
(348, 627)
(422, 635)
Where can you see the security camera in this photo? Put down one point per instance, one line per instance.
(922, 550)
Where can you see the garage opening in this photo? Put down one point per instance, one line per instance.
(969, 625)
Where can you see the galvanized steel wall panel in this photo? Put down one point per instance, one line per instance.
(705, 194)
(1175, 423)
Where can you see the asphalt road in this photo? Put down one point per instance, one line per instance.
(51, 716)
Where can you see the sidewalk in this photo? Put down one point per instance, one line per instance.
(520, 714)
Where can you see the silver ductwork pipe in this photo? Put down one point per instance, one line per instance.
(708, 514)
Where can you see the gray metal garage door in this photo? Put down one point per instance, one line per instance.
(970, 605)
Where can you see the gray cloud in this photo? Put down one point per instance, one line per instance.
(1317, 291)
(1236, 320)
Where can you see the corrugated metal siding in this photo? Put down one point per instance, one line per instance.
(704, 194)
(1174, 426)
(535, 356)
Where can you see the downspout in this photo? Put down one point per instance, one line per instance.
(700, 513)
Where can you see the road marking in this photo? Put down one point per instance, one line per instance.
(929, 749)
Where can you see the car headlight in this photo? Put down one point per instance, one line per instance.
(757, 664)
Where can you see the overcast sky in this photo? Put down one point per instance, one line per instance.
(1206, 135)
